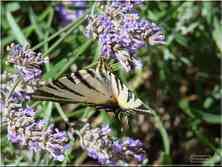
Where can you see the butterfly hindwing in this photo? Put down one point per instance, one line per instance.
(126, 99)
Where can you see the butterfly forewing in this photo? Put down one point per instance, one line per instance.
(84, 86)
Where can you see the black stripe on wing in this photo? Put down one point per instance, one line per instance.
(121, 85)
(102, 69)
(64, 87)
(117, 84)
(93, 74)
(69, 77)
(129, 95)
(81, 79)
(58, 84)
(42, 95)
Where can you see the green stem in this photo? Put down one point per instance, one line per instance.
(63, 36)
(71, 25)
(49, 22)
(77, 53)
(62, 114)
(163, 133)
(68, 115)
(18, 80)
(93, 9)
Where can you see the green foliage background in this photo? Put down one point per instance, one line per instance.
(181, 79)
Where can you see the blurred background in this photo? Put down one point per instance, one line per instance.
(181, 79)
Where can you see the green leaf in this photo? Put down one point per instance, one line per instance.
(203, 139)
(69, 28)
(48, 111)
(105, 117)
(16, 30)
(217, 34)
(163, 133)
(61, 112)
(51, 74)
(208, 102)
(34, 22)
(26, 31)
(181, 39)
(165, 159)
(77, 53)
(184, 105)
(88, 112)
(211, 118)
(12, 6)
(168, 55)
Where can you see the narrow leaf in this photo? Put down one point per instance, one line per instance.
(16, 30)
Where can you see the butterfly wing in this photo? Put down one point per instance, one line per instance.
(126, 99)
(84, 86)
(98, 87)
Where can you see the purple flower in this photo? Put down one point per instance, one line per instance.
(105, 129)
(66, 15)
(98, 25)
(15, 137)
(27, 62)
(121, 33)
(34, 145)
(19, 96)
(117, 8)
(129, 148)
(115, 46)
(55, 143)
(2, 106)
(99, 145)
(29, 74)
(23, 56)
(22, 126)
(24, 130)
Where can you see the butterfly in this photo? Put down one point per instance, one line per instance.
(95, 87)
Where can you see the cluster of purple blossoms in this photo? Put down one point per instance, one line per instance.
(101, 146)
(27, 62)
(65, 15)
(24, 130)
(22, 126)
(21, 91)
(121, 32)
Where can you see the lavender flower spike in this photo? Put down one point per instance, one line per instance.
(129, 148)
(22, 126)
(101, 146)
(66, 15)
(121, 33)
(24, 130)
(27, 62)
(23, 56)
